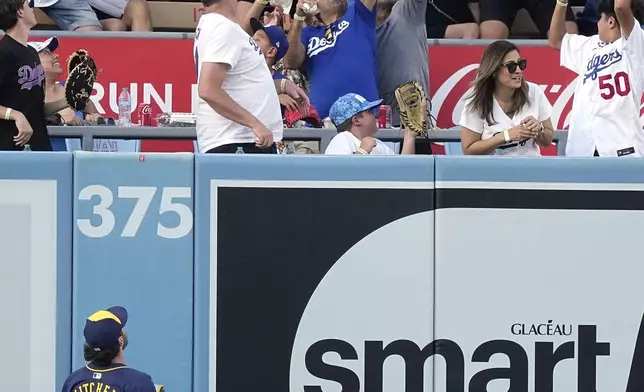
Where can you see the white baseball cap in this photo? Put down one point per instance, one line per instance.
(51, 44)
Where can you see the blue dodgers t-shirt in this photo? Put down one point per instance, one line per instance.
(346, 65)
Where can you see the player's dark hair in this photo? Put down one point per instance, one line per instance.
(8, 13)
(103, 357)
(482, 95)
(208, 3)
(607, 8)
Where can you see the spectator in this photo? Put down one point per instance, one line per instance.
(271, 26)
(341, 56)
(452, 19)
(120, 15)
(401, 21)
(238, 109)
(55, 101)
(497, 16)
(73, 15)
(22, 90)
(356, 122)
(605, 116)
(273, 43)
(504, 114)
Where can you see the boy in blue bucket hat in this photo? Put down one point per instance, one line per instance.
(356, 121)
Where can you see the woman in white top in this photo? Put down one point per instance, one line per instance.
(504, 114)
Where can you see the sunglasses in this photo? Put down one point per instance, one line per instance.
(513, 65)
(328, 33)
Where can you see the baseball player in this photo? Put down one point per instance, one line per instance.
(605, 116)
(105, 340)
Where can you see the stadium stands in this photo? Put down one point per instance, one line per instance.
(166, 16)
(183, 16)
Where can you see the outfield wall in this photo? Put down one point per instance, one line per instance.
(318, 273)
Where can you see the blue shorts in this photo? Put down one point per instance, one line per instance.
(72, 14)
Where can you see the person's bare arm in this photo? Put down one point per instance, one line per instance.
(255, 11)
(409, 144)
(557, 26)
(544, 139)
(296, 53)
(24, 129)
(3, 113)
(90, 108)
(211, 78)
(473, 145)
(625, 17)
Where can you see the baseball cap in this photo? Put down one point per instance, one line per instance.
(103, 328)
(348, 106)
(50, 43)
(275, 34)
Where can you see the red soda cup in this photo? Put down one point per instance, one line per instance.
(145, 115)
(384, 116)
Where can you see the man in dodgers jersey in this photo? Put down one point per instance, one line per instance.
(105, 340)
(238, 106)
(605, 117)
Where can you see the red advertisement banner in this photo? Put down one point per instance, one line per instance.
(162, 72)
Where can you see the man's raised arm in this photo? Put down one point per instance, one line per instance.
(296, 53)
(255, 11)
(558, 25)
(625, 17)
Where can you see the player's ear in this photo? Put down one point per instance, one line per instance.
(272, 52)
(121, 341)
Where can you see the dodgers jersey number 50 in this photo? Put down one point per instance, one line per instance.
(605, 114)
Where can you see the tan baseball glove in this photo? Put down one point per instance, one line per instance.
(411, 106)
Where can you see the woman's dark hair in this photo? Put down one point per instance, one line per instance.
(482, 95)
(103, 357)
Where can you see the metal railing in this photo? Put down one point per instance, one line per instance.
(190, 36)
(323, 136)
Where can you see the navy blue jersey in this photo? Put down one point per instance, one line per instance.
(113, 378)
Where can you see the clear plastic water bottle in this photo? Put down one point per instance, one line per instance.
(27, 147)
(240, 150)
(125, 109)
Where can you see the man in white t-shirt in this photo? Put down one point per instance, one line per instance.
(605, 116)
(356, 121)
(238, 109)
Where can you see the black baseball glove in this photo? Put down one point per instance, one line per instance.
(79, 86)
(81, 56)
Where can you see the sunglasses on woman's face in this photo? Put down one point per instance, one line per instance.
(513, 65)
